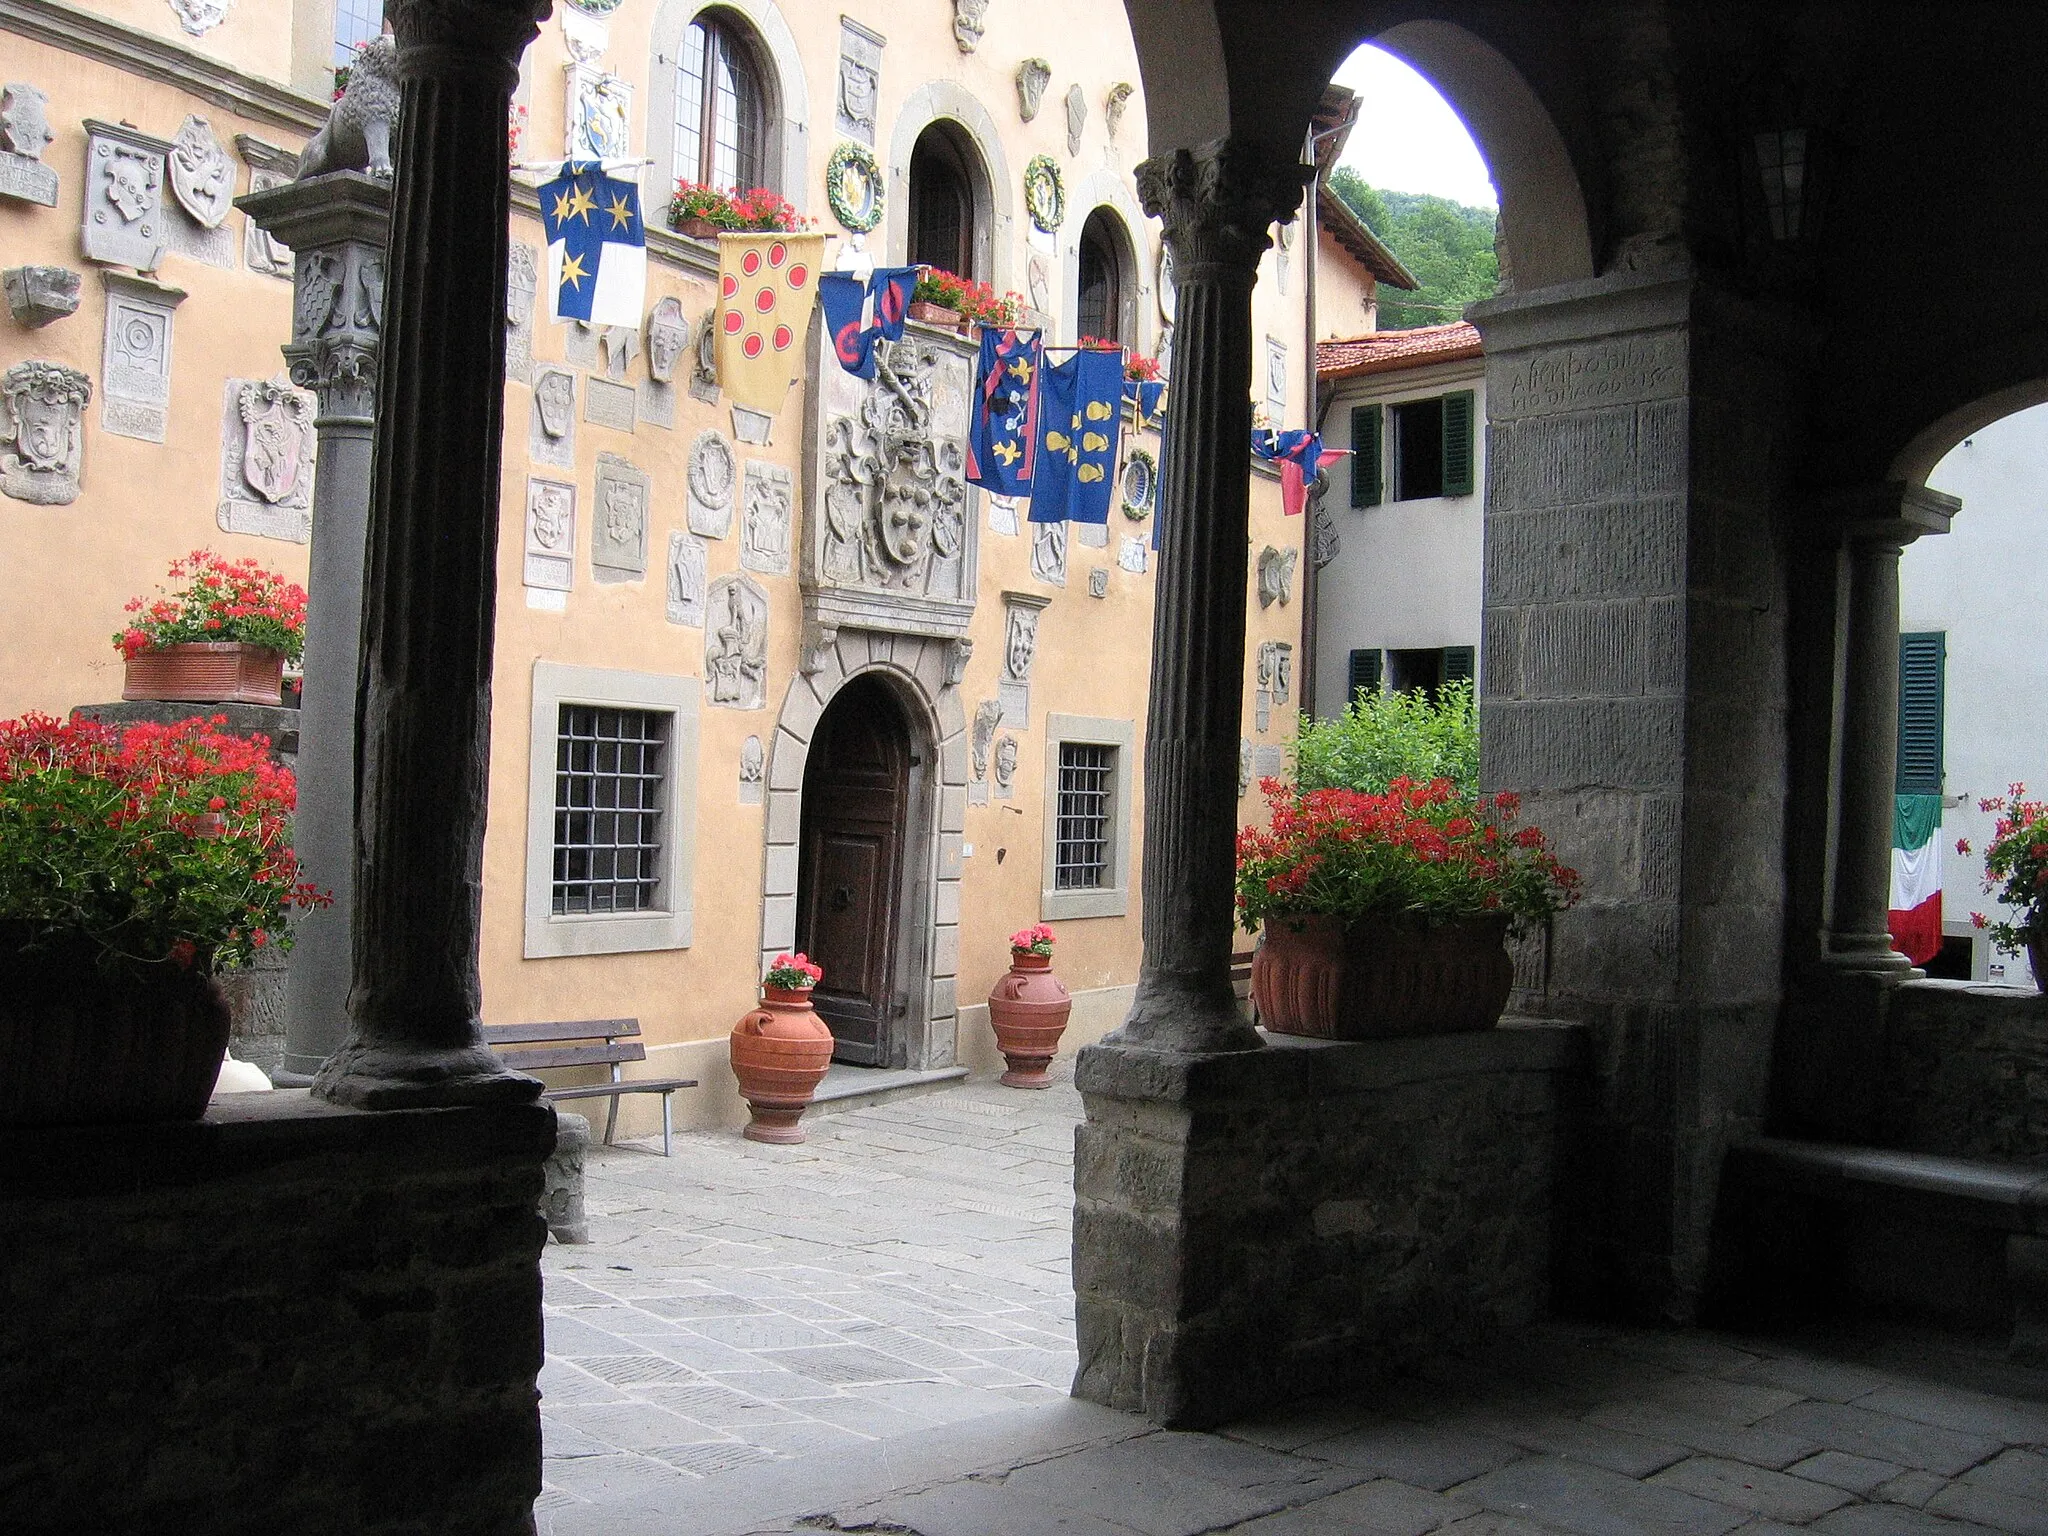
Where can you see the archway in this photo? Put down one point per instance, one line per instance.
(975, 144)
(852, 891)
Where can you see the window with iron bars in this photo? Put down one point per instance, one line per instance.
(1082, 839)
(610, 771)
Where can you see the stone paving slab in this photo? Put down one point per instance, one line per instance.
(874, 1332)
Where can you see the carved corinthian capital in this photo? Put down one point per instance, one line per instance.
(1218, 200)
(437, 38)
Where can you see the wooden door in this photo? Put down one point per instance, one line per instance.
(856, 797)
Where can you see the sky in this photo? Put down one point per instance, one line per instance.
(1408, 139)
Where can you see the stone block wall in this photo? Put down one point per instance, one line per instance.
(1260, 1226)
(285, 1317)
(1966, 1072)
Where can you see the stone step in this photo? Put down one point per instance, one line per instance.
(849, 1087)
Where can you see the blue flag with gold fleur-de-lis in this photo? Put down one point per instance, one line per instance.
(1002, 428)
(1080, 413)
(597, 246)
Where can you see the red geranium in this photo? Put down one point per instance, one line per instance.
(221, 600)
(1036, 940)
(794, 973)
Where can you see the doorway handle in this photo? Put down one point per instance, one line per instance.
(841, 898)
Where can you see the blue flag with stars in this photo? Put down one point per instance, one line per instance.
(597, 246)
(1002, 427)
(1080, 415)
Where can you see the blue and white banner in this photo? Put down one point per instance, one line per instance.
(1147, 397)
(597, 246)
(858, 314)
(1002, 425)
(1080, 416)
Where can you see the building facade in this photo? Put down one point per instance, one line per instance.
(792, 731)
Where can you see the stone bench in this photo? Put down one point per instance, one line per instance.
(1900, 1204)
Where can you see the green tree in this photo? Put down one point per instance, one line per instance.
(1381, 737)
(1447, 245)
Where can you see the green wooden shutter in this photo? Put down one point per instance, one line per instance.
(1923, 663)
(1367, 667)
(1458, 428)
(1460, 664)
(1366, 486)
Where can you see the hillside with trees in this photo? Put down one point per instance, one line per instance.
(1447, 245)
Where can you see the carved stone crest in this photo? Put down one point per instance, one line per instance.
(1049, 553)
(970, 20)
(199, 17)
(522, 281)
(753, 761)
(1077, 117)
(202, 175)
(554, 418)
(123, 215)
(266, 460)
(736, 644)
(988, 714)
(42, 431)
(687, 572)
(550, 535)
(1276, 670)
(1276, 575)
(618, 520)
(1006, 766)
(1033, 75)
(714, 472)
(765, 517)
(262, 251)
(600, 113)
(860, 79)
(1114, 102)
(24, 133)
(1244, 766)
(668, 334)
(38, 295)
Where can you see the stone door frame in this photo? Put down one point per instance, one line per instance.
(928, 939)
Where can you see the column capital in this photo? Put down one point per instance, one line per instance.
(1218, 201)
(439, 38)
(1893, 513)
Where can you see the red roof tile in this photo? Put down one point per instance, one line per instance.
(1388, 351)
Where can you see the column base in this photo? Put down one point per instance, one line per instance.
(1189, 1015)
(373, 1075)
(1868, 952)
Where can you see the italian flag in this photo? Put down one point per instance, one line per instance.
(1916, 878)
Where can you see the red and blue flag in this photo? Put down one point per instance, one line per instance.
(1002, 429)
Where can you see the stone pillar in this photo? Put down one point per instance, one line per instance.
(1217, 203)
(336, 226)
(430, 582)
(1866, 756)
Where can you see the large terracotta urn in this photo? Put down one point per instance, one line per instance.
(81, 1045)
(206, 672)
(1374, 978)
(1028, 1008)
(780, 1051)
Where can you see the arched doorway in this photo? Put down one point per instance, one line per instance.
(853, 896)
(942, 201)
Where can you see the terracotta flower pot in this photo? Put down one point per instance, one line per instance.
(81, 1046)
(1028, 1008)
(934, 314)
(207, 672)
(780, 1051)
(696, 228)
(1372, 978)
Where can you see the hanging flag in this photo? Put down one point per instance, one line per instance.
(597, 246)
(1079, 419)
(858, 314)
(1147, 397)
(1296, 452)
(765, 283)
(1915, 918)
(1002, 429)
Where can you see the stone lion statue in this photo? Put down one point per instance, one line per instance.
(357, 135)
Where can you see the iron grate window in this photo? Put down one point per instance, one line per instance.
(610, 771)
(1081, 838)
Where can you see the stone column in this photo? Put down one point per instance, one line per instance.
(1218, 203)
(336, 226)
(423, 692)
(1866, 757)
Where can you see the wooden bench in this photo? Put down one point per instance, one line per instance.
(587, 1043)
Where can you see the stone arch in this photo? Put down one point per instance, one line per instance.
(995, 217)
(918, 669)
(788, 111)
(1931, 444)
(1110, 191)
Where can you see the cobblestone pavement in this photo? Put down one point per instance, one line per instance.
(906, 1267)
(873, 1333)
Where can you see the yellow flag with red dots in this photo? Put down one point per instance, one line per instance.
(766, 283)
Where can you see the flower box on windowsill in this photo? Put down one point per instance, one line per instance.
(206, 672)
(935, 314)
(695, 228)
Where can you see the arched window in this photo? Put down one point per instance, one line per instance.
(1105, 282)
(356, 22)
(941, 203)
(721, 107)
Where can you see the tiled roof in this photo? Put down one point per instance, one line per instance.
(1359, 242)
(1387, 351)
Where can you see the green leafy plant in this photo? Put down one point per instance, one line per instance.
(948, 290)
(1382, 737)
(221, 600)
(1419, 852)
(153, 843)
(2015, 868)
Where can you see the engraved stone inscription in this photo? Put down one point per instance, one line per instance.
(136, 357)
(714, 474)
(1625, 370)
(736, 644)
(765, 517)
(42, 432)
(618, 520)
(608, 404)
(688, 568)
(24, 133)
(550, 535)
(122, 220)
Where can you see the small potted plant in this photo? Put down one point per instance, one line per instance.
(1388, 914)
(2016, 872)
(781, 1050)
(940, 298)
(1028, 1009)
(136, 865)
(704, 212)
(224, 637)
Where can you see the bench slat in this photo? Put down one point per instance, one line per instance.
(578, 1029)
(575, 1055)
(631, 1085)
